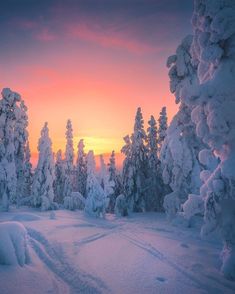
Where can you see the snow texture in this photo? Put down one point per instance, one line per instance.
(143, 253)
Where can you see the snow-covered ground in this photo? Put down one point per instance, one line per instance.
(71, 253)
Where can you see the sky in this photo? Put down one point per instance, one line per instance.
(91, 61)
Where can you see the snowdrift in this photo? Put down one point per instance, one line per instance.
(13, 244)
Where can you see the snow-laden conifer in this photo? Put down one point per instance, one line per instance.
(162, 127)
(44, 176)
(135, 168)
(68, 161)
(81, 169)
(9, 111)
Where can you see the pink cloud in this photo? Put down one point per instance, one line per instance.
(108, 38)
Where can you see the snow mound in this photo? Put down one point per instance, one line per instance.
(28, 217)
(75, 201)
(172, 204)
(194, 205)
(121, 206)
(13, 244)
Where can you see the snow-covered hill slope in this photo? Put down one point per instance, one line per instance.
(71, 253)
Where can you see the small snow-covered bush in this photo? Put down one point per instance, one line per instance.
(194, 205)
(75, 201)
(96, 203)
(13, 244)
(172, 204)
(121, 207)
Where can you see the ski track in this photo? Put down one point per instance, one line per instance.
(95, 237)
(159, 255)
(56, 262)
(55, 258)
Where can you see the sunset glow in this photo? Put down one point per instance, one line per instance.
(74, 61)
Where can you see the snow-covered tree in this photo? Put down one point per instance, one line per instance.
(128, 170)
(213, 52)
(104, 178)
(96, 199)
(103, 171)
(27, 172)
(135, 168)
(121, 207)
(81, 169)
(20, 142)
(43, 181)
(179, 154)
(59, 178)
(74, 201)
(209, 90)
(69, 158)
(154, 200)
(9, 110)
(114, 178)
(162, 127)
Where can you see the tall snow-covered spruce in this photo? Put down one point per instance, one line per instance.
(27, 172)
(9, 113)
(69, 158)
(154, 200)
(20, 142)
(114, 178)
(81, 169)
(59, 178)
(162, 127)
(44, 176)
(135, 168)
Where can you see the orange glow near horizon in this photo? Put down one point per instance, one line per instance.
(93, 64)
(101, 103)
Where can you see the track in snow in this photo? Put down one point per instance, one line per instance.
(159, 255)
(55, 260)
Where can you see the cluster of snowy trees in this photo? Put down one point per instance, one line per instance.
(59, 181)
(198, 154)
(56, 181)
(141, 178)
